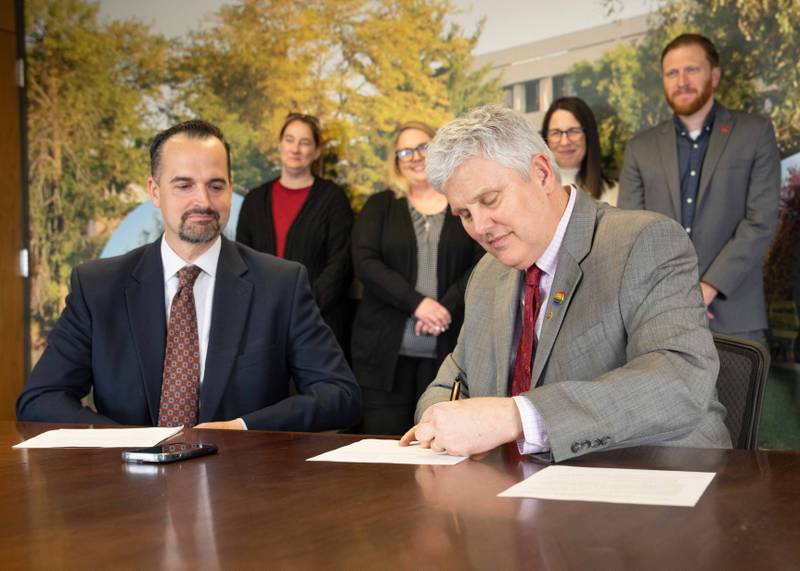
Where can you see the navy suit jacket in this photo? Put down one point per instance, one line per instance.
(265, 328)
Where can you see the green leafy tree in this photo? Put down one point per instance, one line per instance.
(759, 47)
(88, 88)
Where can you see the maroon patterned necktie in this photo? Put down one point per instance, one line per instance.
(521, 381)
(180, 389)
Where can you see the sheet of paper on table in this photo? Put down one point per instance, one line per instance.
(613, 485)
(100, 437)
(374, 451)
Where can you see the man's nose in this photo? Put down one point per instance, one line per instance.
(202, 197)
(482, 223)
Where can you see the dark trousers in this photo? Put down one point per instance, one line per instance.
(392, 412)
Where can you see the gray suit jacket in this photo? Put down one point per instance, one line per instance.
(626, 359)
(736, 212)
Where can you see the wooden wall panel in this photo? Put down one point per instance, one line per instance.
(7, 15)
(12, 299)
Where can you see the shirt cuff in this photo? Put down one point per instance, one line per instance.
(244, 424)
(533, 429)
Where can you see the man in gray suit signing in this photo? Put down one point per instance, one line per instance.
(717, 172)
(590, 318)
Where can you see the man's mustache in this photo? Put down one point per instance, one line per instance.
(201, 211)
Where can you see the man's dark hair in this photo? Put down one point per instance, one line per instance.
(694, 40)
(194, 129)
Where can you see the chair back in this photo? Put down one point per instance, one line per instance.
(743, 368)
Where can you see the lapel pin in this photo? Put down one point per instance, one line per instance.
(558, 298)
(549, 315)
(725, 128)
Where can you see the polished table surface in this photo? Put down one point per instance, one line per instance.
(259, 504)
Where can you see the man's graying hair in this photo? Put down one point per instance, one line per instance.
(492, 132)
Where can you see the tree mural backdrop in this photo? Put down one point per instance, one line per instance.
(97, 92)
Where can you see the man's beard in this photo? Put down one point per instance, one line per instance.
(693, 106)
(198, 232)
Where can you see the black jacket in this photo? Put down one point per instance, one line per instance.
(385, 258)
(319, 238)
(112, 337)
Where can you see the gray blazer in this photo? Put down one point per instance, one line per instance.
(737, 206)
(625, 360)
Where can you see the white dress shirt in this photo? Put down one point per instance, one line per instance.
(534, 431)
(203, 289)
(203, 292)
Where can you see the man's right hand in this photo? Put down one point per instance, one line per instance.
(468, 426)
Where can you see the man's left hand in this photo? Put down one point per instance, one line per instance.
(235, 424)
(466, 427)
(709, 293)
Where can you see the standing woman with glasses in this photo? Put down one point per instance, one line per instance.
(303, 217)
(414, 259)
(570, 129)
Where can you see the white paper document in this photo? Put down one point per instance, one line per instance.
(613, 485)
(374, 451)
(100, 437)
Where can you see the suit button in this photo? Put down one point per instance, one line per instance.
(605, 440)
(575, 447)
(596, 443)
(586, 444)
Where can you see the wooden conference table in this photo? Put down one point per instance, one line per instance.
(258, 505)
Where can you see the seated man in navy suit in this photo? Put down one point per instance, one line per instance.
(192, 328)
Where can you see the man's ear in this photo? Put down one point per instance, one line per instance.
(154, 191)
(541, 171)
(716, 75)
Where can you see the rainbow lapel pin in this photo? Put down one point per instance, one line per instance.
(558, 298)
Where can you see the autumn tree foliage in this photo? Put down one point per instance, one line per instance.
(97, 92)
(362, 66)
(88, 89)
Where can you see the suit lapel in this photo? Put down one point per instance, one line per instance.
(229, 313)
(720, 134)
(144, 299)
(575, 246)
(506, 301)
(668, 151)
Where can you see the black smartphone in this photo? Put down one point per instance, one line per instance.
(172, 452)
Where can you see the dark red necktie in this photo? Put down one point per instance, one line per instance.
(180, 389)
(521, 381)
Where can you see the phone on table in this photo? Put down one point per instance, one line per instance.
(172, 452)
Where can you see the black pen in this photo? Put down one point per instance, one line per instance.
(456, 390)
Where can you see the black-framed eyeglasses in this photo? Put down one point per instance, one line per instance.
(406, 155)
(573, 134)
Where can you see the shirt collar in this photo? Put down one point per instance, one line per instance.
(684, 132)
(548, 261)
(207, 261)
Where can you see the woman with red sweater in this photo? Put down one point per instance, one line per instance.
(303, 217)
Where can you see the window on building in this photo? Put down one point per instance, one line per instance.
(531, 96)
(563, 86)
(508, 96)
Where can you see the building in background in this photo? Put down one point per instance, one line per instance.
(533, 75)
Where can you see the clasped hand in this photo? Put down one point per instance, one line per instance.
(432, 317)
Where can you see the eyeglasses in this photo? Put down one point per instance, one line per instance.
(406, 155)
(573, 134)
